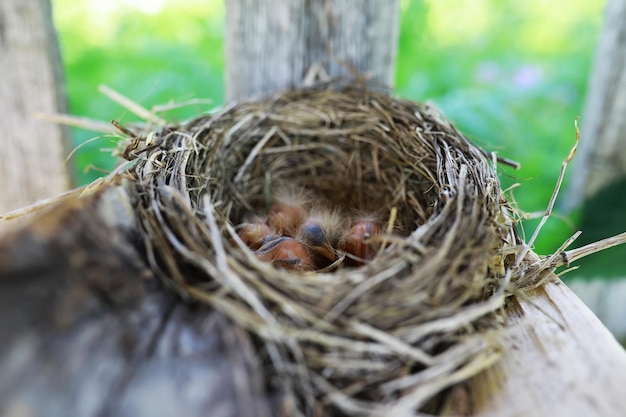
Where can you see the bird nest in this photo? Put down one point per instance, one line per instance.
(379, 339)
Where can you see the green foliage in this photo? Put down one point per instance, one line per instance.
(511, 75)
(171, 56)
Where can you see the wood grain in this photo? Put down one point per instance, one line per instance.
(87, 331)
(271, 45)
(601, 158)
(33, 151)
(559, 360)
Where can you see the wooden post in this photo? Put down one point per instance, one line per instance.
(272, 45)
(601, 158)
(33, 151)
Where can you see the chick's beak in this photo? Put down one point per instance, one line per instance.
(325, 251)
(314, 236)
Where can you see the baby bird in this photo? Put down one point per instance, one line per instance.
(286, 253)
(253, 234)
(287, 214)
(354, 242)
(319, 233)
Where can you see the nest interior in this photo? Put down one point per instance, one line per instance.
(381, 339)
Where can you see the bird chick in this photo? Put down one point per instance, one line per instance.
(319, 232)
(287, 214)
(286, 253)
(253, 234)
(354, 242)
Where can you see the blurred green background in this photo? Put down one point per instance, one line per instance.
(511, 75)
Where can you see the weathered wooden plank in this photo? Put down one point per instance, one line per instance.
(559, 360)
(86, 330)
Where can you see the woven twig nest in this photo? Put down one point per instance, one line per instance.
(383, 338)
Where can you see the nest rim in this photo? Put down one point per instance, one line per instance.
(295, 314)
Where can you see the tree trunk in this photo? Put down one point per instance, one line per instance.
(33, 151)
(601, 159)
(273, 45)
